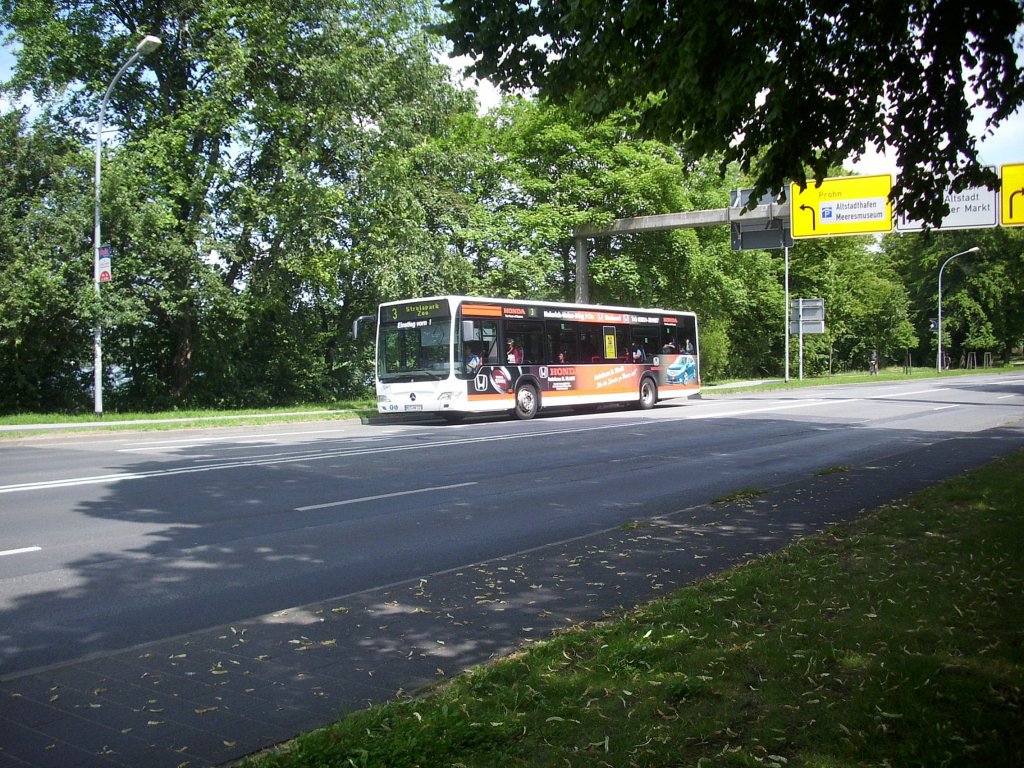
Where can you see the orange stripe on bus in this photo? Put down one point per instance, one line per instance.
(481, 310)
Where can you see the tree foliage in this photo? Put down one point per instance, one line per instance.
(261, 183)
(866, 304)
(778, 87)
(45, 281)
(981, 292)
(274, 172)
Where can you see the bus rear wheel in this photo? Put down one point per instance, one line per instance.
(648, 394)
(527, 402)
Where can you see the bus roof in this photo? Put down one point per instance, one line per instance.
(454, 300)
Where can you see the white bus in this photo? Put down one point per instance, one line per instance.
(454, 355)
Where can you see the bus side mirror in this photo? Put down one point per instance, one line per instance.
(357, 321)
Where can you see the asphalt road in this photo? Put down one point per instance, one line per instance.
(111, 543)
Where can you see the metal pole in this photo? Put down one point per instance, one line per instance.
(146, 45)
(938, 354)
(787, 312)
(800, 312)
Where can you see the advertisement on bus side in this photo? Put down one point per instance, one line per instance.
(672, 371)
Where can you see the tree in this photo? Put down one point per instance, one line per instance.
(982, 310)
(777, 87)
(866, 304)
(540, 171)
(259, 192)
(45, 279)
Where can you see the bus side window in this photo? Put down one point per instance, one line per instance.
(669, 339)
(590, 344)
(688, 333)
(568, 343)
(489, 334)
(474, 337)
(482, 335)
(529, 337)
(560, 337)
(623, 350)
(647, 338)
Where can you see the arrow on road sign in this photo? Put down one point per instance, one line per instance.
(814, 216)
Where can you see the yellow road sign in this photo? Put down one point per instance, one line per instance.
(849, 205)
(1011, 195)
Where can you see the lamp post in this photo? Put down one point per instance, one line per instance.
(938, 355)
(148, 44)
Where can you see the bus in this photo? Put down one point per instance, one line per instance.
(456, 355)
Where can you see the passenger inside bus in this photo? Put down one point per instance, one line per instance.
(513, 352)
(472, 359)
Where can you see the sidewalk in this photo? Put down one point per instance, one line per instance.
(212, 697)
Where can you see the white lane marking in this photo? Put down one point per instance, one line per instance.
(906, 394)
(946, 407)
(192, 442)
(22, 551)
(362, 499)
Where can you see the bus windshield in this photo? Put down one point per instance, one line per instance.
(414, 350)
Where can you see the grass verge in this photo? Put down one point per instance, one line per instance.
(892, 373)
(897, 640)
(168, 420)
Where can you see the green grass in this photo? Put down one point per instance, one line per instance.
(166, 420)
(892, 373)
(897, 640)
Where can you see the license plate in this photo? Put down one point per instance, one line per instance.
(414, 407)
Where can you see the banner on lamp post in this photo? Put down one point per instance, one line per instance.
(103, 264)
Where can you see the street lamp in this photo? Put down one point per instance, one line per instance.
(938, 356)
(148, 44)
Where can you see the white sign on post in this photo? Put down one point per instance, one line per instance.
(808, 316)
(973, 208)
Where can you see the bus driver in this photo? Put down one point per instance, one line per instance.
(472, 359)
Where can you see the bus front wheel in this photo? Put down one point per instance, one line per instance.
(648, 394)
(527, 402)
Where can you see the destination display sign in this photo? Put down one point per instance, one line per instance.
(848, 205)
(416, 310)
